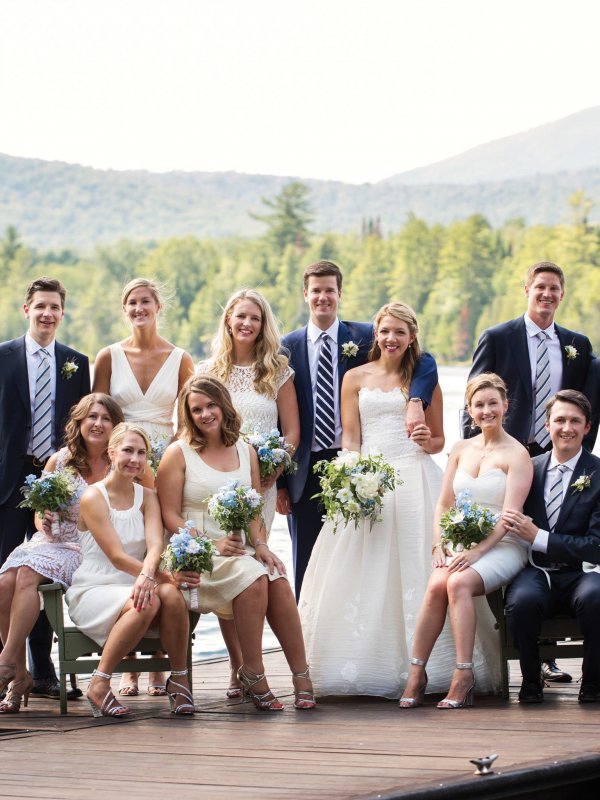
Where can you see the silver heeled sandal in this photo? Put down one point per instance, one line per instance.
(414, 702)
(183, 709)
(303, 700)
(468, 698)
(263, 702)
(109, 707)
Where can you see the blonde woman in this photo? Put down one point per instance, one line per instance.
(144, 374)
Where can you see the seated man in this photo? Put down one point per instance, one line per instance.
(561, 520)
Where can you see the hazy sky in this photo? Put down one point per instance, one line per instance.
(356, 90)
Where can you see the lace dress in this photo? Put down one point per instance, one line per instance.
(99, 590)
(54, 557)
(259, 415)
(231, 574)
(153, 410)
(363, 588)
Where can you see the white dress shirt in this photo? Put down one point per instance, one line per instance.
(554, 356)
(32, 353)
(540, 543)
(314, 349)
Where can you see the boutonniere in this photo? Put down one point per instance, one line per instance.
(349, 349)
(582, 482)
(68, 369)
(571, 352)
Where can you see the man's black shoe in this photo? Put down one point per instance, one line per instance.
(531, 693)
(589, 693)
(551, 672)
(48, 687)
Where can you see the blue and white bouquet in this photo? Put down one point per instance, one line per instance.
(235, 506)
(466, 523)
(190, 552)
(158, 445)
(353, 485)
(52, 491)
(272, 451)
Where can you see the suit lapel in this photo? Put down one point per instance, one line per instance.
(520, 350)
(60, 357)
(563, 337)
(301, 365)
(343, 337)
(22, 374)
(572, 495)
(537, 490)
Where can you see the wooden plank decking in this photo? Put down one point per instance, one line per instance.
(355, 747)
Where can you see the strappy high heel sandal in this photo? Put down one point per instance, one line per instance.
(414, 702)
(109, 707)
(9, 673)
(468, 698)
(304, 700)
(17, 690)
(183, 709)
(264, 702)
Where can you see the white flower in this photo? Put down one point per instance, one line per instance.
(349, 349)
(353, 507)
(344, 495)
(571, 352)
(367, 485)
(193, 546)
(68, 369)
(347, 458)
(457, 518)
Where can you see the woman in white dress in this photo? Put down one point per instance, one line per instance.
(247, 358)
(118, 592)
(144, 374)
(49, 557)
(363, 588)
(497, 471)
(248, 581)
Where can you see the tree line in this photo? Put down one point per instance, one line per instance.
(459, 278)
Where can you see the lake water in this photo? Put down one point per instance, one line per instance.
(453, 381)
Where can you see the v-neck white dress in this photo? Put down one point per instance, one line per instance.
(153, 410)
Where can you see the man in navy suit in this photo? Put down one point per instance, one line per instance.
(510, 350)
(323, 292)
(561, 521)
(19, 360)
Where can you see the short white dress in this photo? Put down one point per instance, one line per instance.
(99, 591)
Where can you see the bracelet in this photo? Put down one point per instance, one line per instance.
(149, 577)
(435, 546)
(415, 400)
(258, 544)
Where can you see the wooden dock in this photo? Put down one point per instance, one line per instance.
(348, 748)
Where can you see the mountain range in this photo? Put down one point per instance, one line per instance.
(530, 175)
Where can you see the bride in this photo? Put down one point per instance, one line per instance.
(363, 588)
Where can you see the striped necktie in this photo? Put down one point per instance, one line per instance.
(324, 403)
(41, 446)
(542, 391)
(555, 497)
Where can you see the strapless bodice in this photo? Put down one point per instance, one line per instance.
(487, 489)
(383, 423)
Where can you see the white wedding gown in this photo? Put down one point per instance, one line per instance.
(363, 588)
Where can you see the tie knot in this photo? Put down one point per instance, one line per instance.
(562, 468)
(324, 337)
(541, 336)
(43, 352)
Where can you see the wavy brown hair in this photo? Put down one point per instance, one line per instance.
(268, 363)
(218, 393)
(412, 355)
(77, 458)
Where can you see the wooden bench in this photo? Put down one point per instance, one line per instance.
(560, 637)
(78, 654)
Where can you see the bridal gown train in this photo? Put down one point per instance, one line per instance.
(363, 588)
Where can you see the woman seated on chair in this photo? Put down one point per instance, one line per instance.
(46, 557)
(248, 581)
(118, 592)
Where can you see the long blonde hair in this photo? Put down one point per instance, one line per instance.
(268, 362)
(412, 355)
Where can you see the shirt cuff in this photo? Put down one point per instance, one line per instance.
(540, 543)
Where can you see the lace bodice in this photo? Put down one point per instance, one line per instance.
(258, 412)
(488, 489)
(382, 423)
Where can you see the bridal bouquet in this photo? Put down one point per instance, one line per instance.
(158, 445)
(189, 552)
(272, 451)
(466, 523)
(352, 487)
(52, 491)
(235, 506)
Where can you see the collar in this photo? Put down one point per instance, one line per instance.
(314, 332)
(570, 464)
(32, 347)
(533, 329)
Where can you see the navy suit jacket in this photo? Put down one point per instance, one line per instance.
(503, 350)
(361, 333)
(576, 536)
(15, 406)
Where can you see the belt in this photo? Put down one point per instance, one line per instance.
(34, 462)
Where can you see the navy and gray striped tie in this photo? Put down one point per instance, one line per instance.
(542, 391)
(555, 497)
(324, 403)
(41, 446)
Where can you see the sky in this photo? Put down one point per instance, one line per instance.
(352, 90)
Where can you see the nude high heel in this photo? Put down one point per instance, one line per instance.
(468, 698)
(17, 690)
(414, 702)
